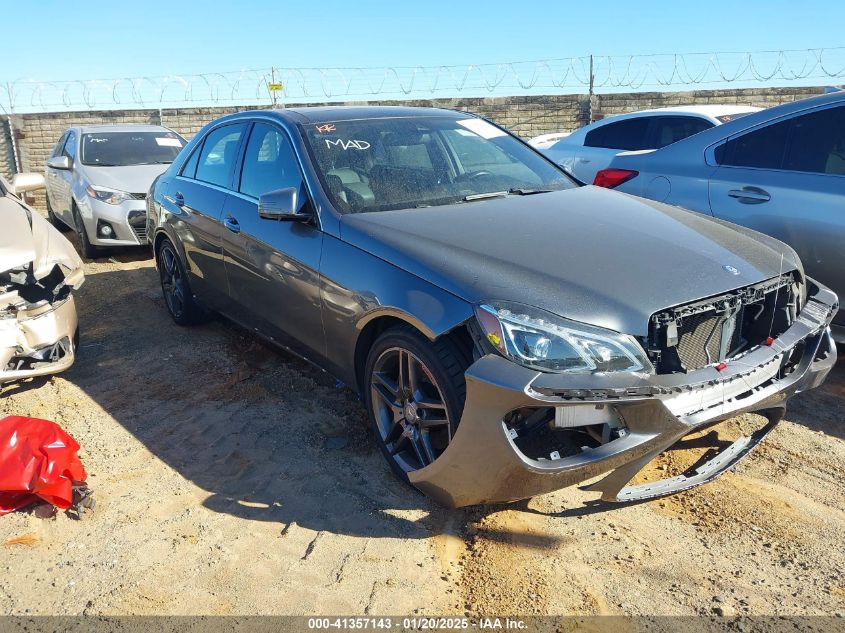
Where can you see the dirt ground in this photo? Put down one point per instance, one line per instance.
(233, 479)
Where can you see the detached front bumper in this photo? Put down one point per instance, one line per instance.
(483, 464)
(38, 343)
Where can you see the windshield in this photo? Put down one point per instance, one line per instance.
(111, 149)
(400, 163)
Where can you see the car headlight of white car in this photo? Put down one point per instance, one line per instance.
(109, 196)
(544, 341)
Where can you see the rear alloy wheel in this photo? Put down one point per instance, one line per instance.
(178, 297)
(89, 251)
(415, 394)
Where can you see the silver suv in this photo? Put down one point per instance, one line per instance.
(98, 177)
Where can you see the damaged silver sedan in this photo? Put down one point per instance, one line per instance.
(39, 269)
(510, 331)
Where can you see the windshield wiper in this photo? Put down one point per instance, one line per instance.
(528, 192)
(484, 196)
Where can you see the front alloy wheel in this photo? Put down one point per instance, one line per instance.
(415, 394)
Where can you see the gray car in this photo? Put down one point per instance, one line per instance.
(509, 331)
(779, 171)
(98, 177)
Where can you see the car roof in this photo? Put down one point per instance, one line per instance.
(88, 129)
(712, 109)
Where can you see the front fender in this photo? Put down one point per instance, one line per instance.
(358, 288)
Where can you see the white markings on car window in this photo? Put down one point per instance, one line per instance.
(347, 144)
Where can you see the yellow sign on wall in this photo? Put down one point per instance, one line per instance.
(275, 87)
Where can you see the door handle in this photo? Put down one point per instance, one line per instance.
(232, 224)
(750, 195)
(584, 160)
(179, 199)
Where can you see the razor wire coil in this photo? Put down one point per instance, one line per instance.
(251, 86)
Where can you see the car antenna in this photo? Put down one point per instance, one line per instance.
(769, 339)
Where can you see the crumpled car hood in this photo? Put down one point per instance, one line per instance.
(589, 254)
(27, 237)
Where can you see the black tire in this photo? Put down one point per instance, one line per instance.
(180, 302)
(54, 219)
(393, 409)
(88, 250)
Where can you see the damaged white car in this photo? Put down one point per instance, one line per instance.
(39, 269)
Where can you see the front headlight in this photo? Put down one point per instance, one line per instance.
(109, 196)
(546, 342)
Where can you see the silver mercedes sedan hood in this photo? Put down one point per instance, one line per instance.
(589, 254)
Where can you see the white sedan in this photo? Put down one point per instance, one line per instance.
(591, 148)
(39, 270)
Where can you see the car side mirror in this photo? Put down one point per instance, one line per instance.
(281, 204)
(60, 162)
(21, 183)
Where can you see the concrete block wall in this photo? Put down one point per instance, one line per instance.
(610, 104)
(527, 116)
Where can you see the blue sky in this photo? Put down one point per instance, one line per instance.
(97, 39)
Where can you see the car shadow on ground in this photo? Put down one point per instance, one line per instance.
(823, 409)
(269, 437)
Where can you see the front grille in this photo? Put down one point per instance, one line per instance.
(138, 223)
(691, 336)
(700, 338)
(138, 196)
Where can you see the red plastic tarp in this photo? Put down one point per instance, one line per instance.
(37, 461)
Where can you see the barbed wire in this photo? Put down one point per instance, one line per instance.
(252, 86)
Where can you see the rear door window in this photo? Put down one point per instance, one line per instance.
(630, 134)
(763, 148)
(817, 143)
(216, 161)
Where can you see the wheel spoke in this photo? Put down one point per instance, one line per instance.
(433, 421)
(413, 376)
(178, 296)
(385, 381)
(425, 440)
(394, 433)
(430, 403)
(403, 370)
(389, 398)
(399, 446)
(416, 443)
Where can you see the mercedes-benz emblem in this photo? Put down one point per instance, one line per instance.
(730, 269)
